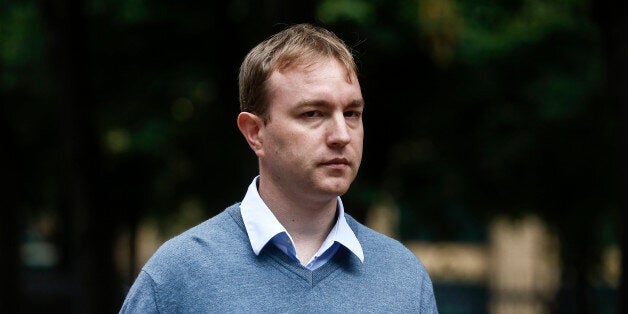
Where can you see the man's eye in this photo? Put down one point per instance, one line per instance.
(353, 114)
(312, 114)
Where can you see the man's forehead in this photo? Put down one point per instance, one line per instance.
(309, 65)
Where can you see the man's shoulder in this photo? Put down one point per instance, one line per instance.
(222, 225)
(404, 272)
(225, 223)
(213, 237)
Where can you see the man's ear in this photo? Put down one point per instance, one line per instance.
(251, 125)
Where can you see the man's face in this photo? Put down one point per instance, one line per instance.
(312, 144)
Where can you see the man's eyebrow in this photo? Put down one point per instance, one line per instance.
(356, 103)
(312, 103)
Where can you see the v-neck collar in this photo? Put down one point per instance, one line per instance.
(270, 253)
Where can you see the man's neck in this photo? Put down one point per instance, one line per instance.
(307, 221)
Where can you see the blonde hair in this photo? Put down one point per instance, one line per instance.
(302, 43)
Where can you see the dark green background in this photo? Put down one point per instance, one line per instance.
(117, 110)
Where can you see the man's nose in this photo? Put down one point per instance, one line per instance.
(338, 131)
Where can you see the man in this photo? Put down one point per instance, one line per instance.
(289, 246)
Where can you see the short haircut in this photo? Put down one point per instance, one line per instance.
(302, 43)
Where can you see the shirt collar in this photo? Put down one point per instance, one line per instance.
(262, 225)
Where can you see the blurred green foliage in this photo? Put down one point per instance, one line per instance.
(474, 108)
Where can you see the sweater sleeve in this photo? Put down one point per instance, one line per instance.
(141, 297)
(428, 301)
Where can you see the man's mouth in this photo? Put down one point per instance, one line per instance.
(337, 162)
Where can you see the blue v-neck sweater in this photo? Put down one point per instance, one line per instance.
(212, 268)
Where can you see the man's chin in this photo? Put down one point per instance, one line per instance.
(336, 186)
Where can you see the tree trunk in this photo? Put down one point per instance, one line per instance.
(612, 16)
(91, 225)
(10, 223)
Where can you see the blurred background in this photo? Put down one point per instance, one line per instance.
(495, 144)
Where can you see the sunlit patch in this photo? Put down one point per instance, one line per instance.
(117, 140)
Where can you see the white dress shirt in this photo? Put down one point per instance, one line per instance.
(262, 227)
